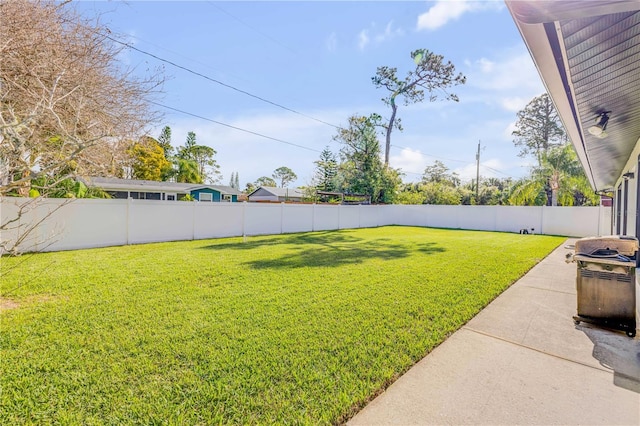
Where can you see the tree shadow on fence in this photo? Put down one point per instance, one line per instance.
(327, 249)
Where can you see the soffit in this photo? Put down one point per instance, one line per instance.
(602, 55)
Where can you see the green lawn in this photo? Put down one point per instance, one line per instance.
(299, 328)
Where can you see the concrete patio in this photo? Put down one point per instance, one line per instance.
(521, 361)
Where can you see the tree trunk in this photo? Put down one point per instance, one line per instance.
(554, 183)
(394, 109)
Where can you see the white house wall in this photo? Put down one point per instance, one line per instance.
(630, 166)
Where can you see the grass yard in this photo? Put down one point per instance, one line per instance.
(299, 328)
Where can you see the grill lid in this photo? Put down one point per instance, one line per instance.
(626, 246)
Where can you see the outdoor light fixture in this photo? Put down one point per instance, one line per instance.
(628, 175)
(598, 129)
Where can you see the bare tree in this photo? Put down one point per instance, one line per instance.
(67, 107)
(430, 74)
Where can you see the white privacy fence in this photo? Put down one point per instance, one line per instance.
(88, 223)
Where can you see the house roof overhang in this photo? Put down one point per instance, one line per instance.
(587, 54)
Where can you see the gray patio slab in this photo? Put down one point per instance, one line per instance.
(521, 361)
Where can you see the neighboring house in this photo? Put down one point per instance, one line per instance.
(587, 55)
(273, 194)
(169, 191)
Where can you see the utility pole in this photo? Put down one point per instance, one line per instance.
(478, 171)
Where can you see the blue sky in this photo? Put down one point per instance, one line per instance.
(318, 58)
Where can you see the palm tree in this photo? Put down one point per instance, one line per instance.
(188, 171)
(559, 179)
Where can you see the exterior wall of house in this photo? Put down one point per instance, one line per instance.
(631, 207)
(262, 195)
(216, 197)
(631, 198)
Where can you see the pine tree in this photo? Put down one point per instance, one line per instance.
(326, 171)
(164, 140)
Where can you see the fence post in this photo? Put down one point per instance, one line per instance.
(313, 217)
(193, 221)
(244, 218)
(129, 201)
(281, 217)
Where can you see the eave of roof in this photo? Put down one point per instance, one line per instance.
(116, 184)
(570, 46)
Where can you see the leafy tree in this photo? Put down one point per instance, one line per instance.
(494, 191)
(361, 170)
(65, 188)
(285, 175)
(326, 171)
(559, 180)
(538, 128)
(430, 74)
(249, 188)
(148, 160)
(265, 181)
(441, 193)
(187, 171)
(439, 173)
(164, 140)
(203, 157)
(411, 193)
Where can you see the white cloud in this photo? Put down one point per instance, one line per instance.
(363, 39)
(367, 35)
(331, 42)
(410, 161)
(389, 33)
(510, 80)
(445, 11)
(514, 104)
(509, 130)
(514, 71)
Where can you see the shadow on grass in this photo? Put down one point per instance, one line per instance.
(325, 249)
(320, 237)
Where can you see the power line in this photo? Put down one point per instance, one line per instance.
(497, 171)
(206, 77)
(433, 156)
(252, 28)
(233, 127)
(451, 159)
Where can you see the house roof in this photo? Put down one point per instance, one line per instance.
(587, 55)
(117, 184)
(280, 192)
